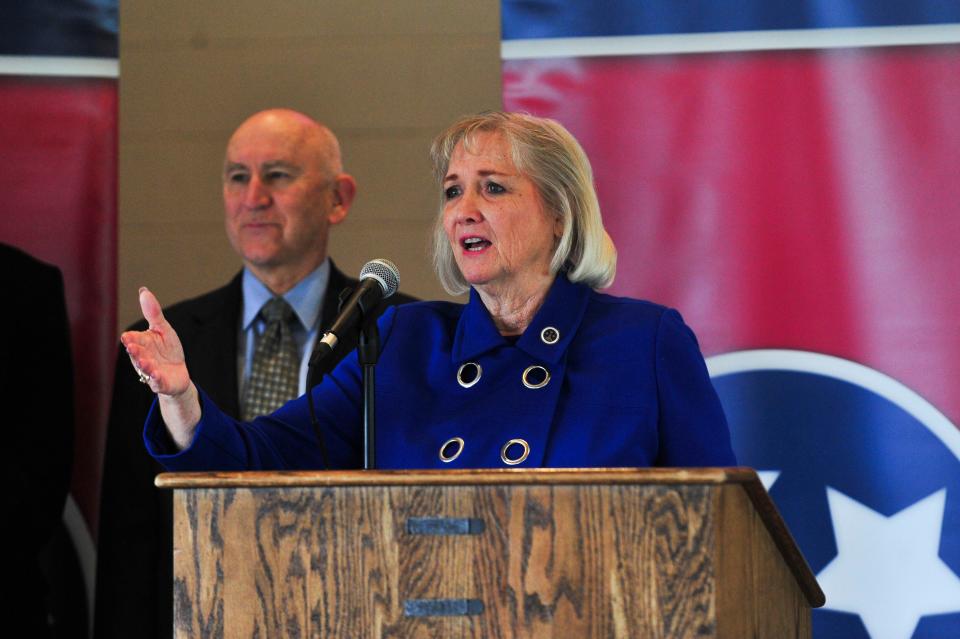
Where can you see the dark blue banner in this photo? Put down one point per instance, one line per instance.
(523, 19)
(84, 28)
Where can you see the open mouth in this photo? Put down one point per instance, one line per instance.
(474, 244)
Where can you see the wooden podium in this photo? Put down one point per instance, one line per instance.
(634, 553)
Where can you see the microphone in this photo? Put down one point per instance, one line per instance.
(379, 279)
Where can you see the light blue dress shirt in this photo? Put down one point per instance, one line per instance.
(306, 299)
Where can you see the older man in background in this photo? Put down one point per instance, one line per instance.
(247, 344)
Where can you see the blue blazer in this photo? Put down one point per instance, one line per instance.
(615, 382)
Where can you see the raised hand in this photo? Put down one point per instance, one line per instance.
(157, 357)
(156, 353)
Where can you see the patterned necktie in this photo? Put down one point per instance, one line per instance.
(274, 373)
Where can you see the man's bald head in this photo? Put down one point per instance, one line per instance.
(283, 186)
(298, 129)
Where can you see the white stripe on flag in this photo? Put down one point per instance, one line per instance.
(730, 41)
(59, 66)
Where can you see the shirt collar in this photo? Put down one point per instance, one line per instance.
(306, 298)
(562, 310)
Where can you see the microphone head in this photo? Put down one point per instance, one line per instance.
(384, 272)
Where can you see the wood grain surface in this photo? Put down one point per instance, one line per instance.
(553, 560)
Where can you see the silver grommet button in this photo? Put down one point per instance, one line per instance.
(550, 335)
(451, 449)
(469, 374)
(514, 452)
(536, 376)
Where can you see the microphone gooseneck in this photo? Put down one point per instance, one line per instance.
(379, 279)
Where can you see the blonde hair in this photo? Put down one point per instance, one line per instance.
(547, 154)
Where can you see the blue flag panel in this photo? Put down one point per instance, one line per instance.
(524, 19)
(81, 28)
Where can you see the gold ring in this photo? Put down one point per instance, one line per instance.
(451, 449)
(513, 461)
(535, 377)
(469, 374)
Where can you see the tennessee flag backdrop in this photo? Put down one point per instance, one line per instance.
(787, 175)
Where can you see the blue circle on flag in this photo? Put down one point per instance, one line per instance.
(837, 443)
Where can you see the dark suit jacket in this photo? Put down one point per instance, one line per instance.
(134, 558)
(35, 365)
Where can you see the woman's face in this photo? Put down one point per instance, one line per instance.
(501, 236)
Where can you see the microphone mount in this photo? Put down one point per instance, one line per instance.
(379, 279)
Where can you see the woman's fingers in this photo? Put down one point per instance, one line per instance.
(145, 366)
(156, 353)
(158, 361)
(150, 308)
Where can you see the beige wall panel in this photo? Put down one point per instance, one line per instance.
(393, 81)
(305, 19)
(386, 76)
(373, 160)
(180, 181)
(399, 242)
(170, 265)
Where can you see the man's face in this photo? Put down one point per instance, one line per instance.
(278, 197)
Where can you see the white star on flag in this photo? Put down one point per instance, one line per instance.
(887, 569)
(767, 477)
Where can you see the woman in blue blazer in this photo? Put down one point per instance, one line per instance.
(537, 369)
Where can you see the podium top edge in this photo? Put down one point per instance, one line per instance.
(512, 476)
